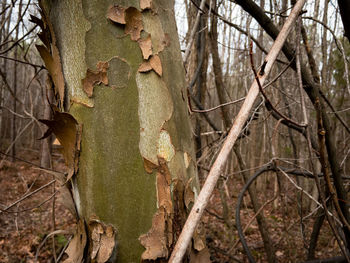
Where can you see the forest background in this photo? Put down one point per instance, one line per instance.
(282, 216)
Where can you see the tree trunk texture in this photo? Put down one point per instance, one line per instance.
(137, 163)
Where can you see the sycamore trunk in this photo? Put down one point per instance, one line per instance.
(124, 83)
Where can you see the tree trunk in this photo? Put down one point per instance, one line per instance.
(14, 83)
(136, 168)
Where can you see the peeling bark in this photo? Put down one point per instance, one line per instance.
(136, 145)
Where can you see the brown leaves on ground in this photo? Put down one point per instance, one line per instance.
(95, 77)
(68, 132)
(154, 63)
(202, 256)
(102, 241)
(75, 250)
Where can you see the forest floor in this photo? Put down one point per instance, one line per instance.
(25, 227)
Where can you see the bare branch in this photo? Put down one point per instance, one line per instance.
(214, 174)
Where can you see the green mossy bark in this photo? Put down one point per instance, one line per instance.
(112, 183)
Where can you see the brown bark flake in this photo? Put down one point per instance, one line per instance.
(102, 241)
(52, 63)
(149, 166)
(146, 46)
(145, 4)
(160, 237)
(155, 240)
(95, 77)
(154, 63)
(49, 53)
(134, 26)
(145, 67)
(68, 132)
(116, 13)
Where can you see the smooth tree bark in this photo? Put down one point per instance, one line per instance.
(125, 86)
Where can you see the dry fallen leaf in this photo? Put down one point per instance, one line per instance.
(279, 253)
(134, 26)
(75, 250)
(145, 4)
(146, 46)
(202, 256)
(199, 238)
(116, 13)
(95, 77)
